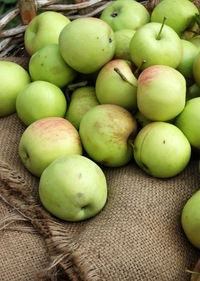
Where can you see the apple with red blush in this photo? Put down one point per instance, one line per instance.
(161, 93)
(45, 140)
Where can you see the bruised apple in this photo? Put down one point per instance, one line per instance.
(45, 140)
(73, 188)
(105, 132)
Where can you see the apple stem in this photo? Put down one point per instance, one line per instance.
(72, 87)
(192, 272)
(139, 67)
(130, 142)
(192, 31)
(163, 23)
(123, 77)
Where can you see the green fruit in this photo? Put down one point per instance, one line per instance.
(105, 131)
(44, 29)
(179, 13)
(123, 38)
(141, 119)
(40, 99)
(86, 44)
(73, 188)
(193, 92)
(161, 150)
(190, 53)
(188, 122)
(13, 79)
(196, 71)
(82, 100)
(163, 49)
(48, 65)
(125, 14)
(112, 89)
(196, 41)
(190, 219)
(161, 93)
(46, 140)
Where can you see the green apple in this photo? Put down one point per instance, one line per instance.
(141, 119)
(73, 188)
(196, 68)
(123, 38)
(193, 92)
(44, 29)
(157, 45)
(105, 132)
(196, 41)
(190, 53)
(161, 93)
(48, 65)
(40, 99)
(188, 122)
(46, 140)
(190, 219)
(190, 32)
(125, 14)
(112, 89)
(86, 44)
(180, 14)
(161, 150)
(13, 78)
(82, 99)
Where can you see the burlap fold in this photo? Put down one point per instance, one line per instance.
(137, 236)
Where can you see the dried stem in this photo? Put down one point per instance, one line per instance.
(123, 77)
(8, 17)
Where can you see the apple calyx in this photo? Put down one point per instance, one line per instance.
(116, 69)
(114, 14)
(139, 67)
(159, 34)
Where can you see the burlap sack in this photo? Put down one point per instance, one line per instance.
(137, 236)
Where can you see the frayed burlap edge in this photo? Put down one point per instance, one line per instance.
(65, 254)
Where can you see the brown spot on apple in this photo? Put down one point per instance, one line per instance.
(79, 194)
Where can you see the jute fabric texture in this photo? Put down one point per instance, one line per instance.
(137, 236)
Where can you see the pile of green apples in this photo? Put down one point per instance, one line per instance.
(119, 87)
